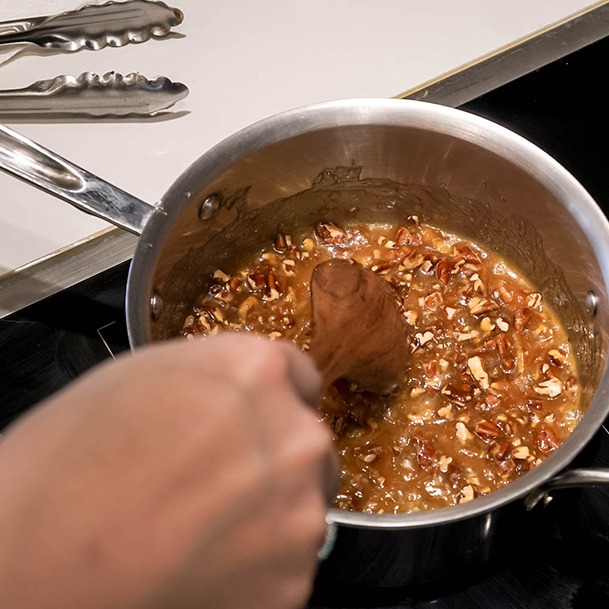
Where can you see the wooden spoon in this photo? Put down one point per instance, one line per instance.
(358, 331)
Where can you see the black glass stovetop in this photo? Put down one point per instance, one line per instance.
(563, 109)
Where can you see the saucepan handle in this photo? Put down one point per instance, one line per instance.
(568, 479)
(54, 174)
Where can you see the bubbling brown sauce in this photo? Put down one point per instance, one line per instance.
(491, 388)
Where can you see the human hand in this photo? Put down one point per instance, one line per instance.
(188, 474)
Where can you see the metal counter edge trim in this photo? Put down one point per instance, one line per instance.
(64, 268)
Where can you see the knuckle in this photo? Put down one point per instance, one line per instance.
(255, 360)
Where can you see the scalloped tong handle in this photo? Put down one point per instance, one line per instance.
(109, 95)
(94, 27)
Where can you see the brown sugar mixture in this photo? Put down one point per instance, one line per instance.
(491, 386)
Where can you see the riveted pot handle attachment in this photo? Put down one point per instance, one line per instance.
(54, 174)
(568, 479)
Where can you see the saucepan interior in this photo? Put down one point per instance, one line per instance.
(382, 161)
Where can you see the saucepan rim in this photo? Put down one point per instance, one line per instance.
(399, 113)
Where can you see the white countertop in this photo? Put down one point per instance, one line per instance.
(242, 61)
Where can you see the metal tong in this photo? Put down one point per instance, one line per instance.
(109, 95)
(94, 27)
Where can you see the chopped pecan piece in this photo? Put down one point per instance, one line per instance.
(412, 261)
(445, 412)
(257, 279)
(380, 266)
(534, 300)
(411, 317)
(552, 387)
(281, 243)
(421, 338)
(463, 434)
(426, 455)
(486, 325)
(467, 494)
(487, 430)
(546, 439)
(481, 306)
(506, 295)
(330, 233)
(221, 276)
(557, 357)
(521, 452)
(459, 391)
(477, 371)
(443, 269)
(521, 318)
(407, 236)
(444, 463)
(500, 449)
(467, 253)
(507, 467)
(271, 281)
(288, 267)
(234, 284)
(368, 457)
(503, 325)
(434, 300)
(462, 336)
(246, 306)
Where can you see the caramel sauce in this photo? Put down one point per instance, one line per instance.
(490, 389)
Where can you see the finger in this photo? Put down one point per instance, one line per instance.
(302, 374)
(301, 371)
(307, 383)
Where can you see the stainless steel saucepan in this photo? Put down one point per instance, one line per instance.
(381, 160)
